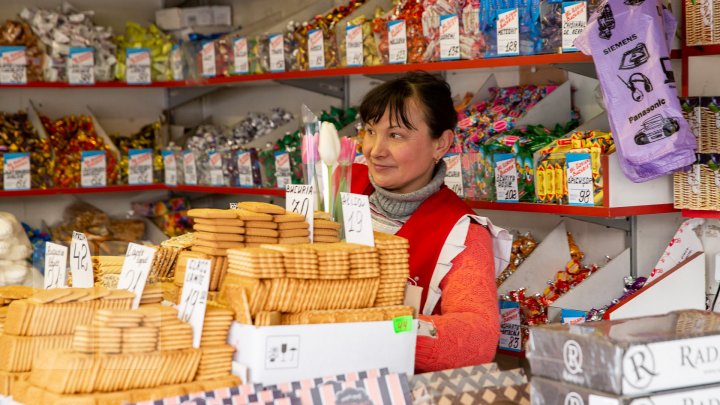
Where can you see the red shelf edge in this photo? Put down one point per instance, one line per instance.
(605, 212)
(701, 214)
(229, 190)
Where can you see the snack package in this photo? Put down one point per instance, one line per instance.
(159, 43)
(17, 134)
(409, 13)
(18, 33)
(364, 50)
(441, 28)
(632, 60)
(148, 137)
(472, 38)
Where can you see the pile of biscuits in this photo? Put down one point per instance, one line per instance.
(107, 270)
(166, 256)
(342, 315)
(9, 294)
(394, 268)
(324, 229)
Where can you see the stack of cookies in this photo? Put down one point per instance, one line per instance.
(326, 231)
(394, 269)
(286, 227)
(173, 334)
(256, 263)
(152, 294)
(216, 326)
(346, 315)
(168, 252)
(9, 294)
(216, 231)
(216, 360)
(364, 262)
(300, 261)
(107, 270)
(333, 263)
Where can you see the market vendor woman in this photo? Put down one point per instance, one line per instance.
(409, 126)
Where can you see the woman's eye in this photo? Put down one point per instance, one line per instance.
(395, 135)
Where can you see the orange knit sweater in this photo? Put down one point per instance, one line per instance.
(468, 327)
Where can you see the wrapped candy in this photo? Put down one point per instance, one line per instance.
(146, 138)
(213, 58)
(17, 134)
(522, 247)
(472, 39)
(68, 137)
(409, 11)
(631, 286)
(292, 42)
(18, 33)
(441, 28)
(159, 43)
(259, 54)
(245, 50)
(208, 139)
(169, 215)
(370, 56)
(61, 29)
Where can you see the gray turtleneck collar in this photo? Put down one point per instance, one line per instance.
(400, 206)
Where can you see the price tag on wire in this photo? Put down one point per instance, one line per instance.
(240, 55)
(193, 300)
(13, 65)
(170, 167)
(453, 175)
(357, 222)
(299, 198)
(80, 262)
(16, 173)
(81, 69)
(189, 168)
(354, 45)
(506, 178)
(277, 53)
(135, 270)
(55, 266)
(508, 32)
(397, 35)
(138, 66)
(580, 186)
(93, 168)
(449, 37)
(510, 336)
(140, 169)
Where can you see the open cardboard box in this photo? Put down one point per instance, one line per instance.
(277, 354)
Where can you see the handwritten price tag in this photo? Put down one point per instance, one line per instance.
(283, 173)
(510, 326)
(135, 270)
(208, 59)
(16, 173)
(506, 178)
(354, 45)
(138, 66)
(277, 53)
(398, 41)
(140, 169)
(453, 175)
(189, 169)
(80, 263)
(93, 172)
(581, 190)
(170, 167)
(216, 170)
(13, 65)
(299, 198)
(574, 21)
(403, 324)
(81, 66)
(240, 55)
(508, 32)
(244, 162)
(193, 300)
(176, 63)
(316, 49)
(356, 219)
(449, 37)
(55, 266)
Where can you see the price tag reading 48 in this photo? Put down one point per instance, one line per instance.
(194, 296)
(356, 219)
(299, 198)
(80, 263)
(135, 270)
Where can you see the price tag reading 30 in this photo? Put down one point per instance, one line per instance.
(135, 270)
(193, 301)
(356, 219)
(80, 263)
(55, 266)
(299, 198)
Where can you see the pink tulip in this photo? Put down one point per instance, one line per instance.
(347, 150)
(309, 147)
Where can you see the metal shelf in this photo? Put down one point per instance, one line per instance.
(571, 210)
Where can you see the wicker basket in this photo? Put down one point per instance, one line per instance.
(699, 22)
(705, 196)
(709, 141)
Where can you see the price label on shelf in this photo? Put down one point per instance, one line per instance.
(138, 69)
(510, 336)
(189, 168)
(81, 66)
(216, 169)
(449, 37)
(135, 270)
(316, 49)
(354, 45)
(140, 169)
(574, 21)
(398, 41)
(208, 59)
(240, 55)
(580, 186)
(170, 167)
(13, 65)
(176, 63)
(283, 173)
(55, 266)
(453, 175)
(403, 324)
(244, 162)
(277, 53)
(16, 173)
(508, 32)
(299, 198)
(193, 300)
(93, 168)
(356, 219)
(506, 178)
(80, 263)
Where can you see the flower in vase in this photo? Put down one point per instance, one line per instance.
(309, 148)
(347, 150)
(329, 144)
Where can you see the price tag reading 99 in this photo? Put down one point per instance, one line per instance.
(357, 221)
(135, 270)
(80, 262)
(193, 300)
(300, 199)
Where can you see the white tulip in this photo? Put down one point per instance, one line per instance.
(329, 146)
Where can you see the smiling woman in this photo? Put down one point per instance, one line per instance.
(410, 123)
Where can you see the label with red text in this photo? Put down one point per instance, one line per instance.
(13, 65)
(508, 32)
(316, 49)
(398, 41)
(277, 53)
(354, 45)
(283, 172)
(16, 171)
(140, 169)
(506, 178)
(93, 168)
(574, 21)
(449, 37)
(580, 186)
(81, 66)
(240, 53)
(510, 336)
(138, 66)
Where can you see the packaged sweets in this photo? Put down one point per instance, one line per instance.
(18, 33)
(214, 56)
(472, 38)
(17, 134)
(364, 50)
(258, 54)
(159, 44)
(441, 28)
(148, 137)
(408, 15)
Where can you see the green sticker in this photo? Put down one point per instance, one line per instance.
(403, 324)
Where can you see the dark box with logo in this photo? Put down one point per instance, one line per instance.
(630, 357)
(549, 392)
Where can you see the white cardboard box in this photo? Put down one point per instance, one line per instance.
(169, 18)
(222, 15)
(278, 354)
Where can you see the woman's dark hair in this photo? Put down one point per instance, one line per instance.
(431, 92)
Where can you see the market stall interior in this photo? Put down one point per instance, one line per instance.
(196, 104)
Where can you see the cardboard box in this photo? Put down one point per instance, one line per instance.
(632, 356)
(197, 16)
(169, 18)
(277, 354)
(549, 392)
(221, 15)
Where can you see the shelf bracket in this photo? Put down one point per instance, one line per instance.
(327, 86)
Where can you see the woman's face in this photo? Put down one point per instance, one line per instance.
(401, 159)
